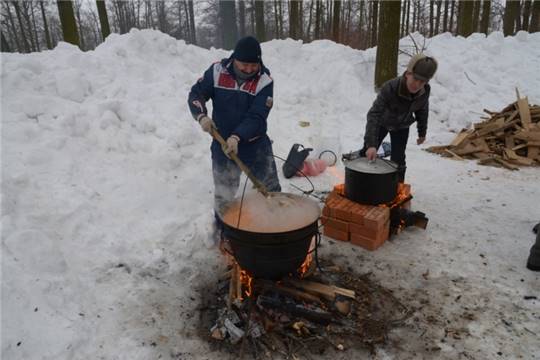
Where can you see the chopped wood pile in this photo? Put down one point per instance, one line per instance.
(509, 138)
(299, 318)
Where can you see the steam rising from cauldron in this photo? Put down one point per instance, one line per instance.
(280, 212)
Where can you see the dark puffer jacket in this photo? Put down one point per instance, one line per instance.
(241, 110)
(395, 108)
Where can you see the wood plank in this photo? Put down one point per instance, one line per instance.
(454, 155)
(533, 152)
(516, 159)
(470, 148)
(509, 141)
(528, 135)
(493, 126)
(524, 113)
(481, 143)
(506, 164)
(437, 149)
(521, 146)
(328, 291)
(461, 137)
(482, 155)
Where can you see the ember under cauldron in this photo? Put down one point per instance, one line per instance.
(270, 237)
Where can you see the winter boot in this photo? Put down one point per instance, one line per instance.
(534, 258)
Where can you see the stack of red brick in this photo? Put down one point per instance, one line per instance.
(363, 225)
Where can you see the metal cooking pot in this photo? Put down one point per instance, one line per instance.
(371, 182)
(271, 245)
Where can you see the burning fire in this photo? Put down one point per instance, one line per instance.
(403, 195)
(245, 281)
(303, 269)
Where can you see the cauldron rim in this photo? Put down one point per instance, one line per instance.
(274, 233)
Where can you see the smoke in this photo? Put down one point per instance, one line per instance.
(280, 212)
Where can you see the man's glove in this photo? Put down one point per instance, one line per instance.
(231, 146)
(206, 123)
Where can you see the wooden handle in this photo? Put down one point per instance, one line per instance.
(259, 185)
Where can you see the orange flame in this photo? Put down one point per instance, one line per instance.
(246, 280)
(303, 269)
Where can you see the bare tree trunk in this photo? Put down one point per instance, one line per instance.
(276, 19)
(445, 17)
(374, 22)
(300, 25)
(103, 19)
(242, 17)
(159, 16)
(408, 2)
(431, 19)
(484, 23)
(348, 22)
(5, 45)
(260, 31)
(252, 16)
(526, 15)
(335, 21)
(80, 27)
(45, 26)
(180, 32)
(318, 11)
(419, 16)
(438, 18)
(414, 16)
(18, 13)
(281, 32)
(67, 19)
(293, 19)
(535, 17)
(138, 21)
(35, 28)
(465, 25)
(403, 13)
(476, 15)
(27, 6)
(451, 23)
(518, 18)
(192, 31)
(13, 27)
(387, 48)
(511, 12)
(229, 29)
(308, 31)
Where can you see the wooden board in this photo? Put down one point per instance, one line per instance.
(461, 137)
(533, 152)
(524, 112)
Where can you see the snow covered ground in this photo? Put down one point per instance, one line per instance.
(107, 197)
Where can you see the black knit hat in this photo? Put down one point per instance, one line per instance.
(247, 50)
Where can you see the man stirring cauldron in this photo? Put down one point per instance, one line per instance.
(401, 101)
(241, 90)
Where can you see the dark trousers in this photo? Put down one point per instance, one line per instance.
(398, 140)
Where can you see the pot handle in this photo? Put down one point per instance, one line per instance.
(391, 163)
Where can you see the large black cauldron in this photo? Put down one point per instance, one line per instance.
(265, 253)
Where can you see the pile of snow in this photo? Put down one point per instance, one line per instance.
(107, 193)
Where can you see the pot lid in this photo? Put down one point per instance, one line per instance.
(377, 166)
(280, 212)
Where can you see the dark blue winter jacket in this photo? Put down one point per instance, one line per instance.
(239, 110)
